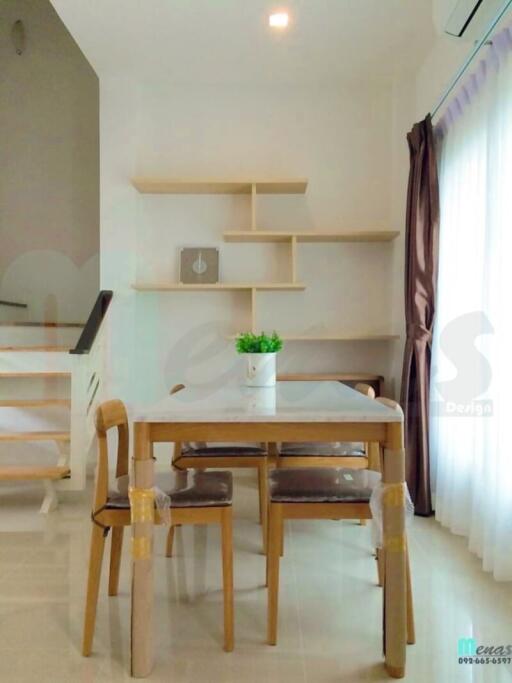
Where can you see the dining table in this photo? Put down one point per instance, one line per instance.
(292, 412)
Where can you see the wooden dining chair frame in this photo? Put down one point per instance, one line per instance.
(280, 511)
(109, 415)
(360, 462)
(182, 461)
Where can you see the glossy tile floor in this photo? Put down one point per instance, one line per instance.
(329, 629)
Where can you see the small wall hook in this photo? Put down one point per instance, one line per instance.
(18, 37)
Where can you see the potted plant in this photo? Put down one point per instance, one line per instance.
(260, 351)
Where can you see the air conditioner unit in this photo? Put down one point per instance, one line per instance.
(469, 18)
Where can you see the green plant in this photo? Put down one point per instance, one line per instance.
(247, 342)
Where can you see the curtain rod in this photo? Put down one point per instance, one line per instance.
(483, 41)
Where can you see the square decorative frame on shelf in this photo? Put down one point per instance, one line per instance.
(199, 265)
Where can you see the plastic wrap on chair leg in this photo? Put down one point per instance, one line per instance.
(390, 495)
(143, 502)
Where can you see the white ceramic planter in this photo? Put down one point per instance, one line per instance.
(260, 369)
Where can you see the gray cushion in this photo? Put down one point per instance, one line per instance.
(339, 448)
(322, 485)
(219, 451)
(186, 489)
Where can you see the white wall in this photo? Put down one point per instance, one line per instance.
(49, 174)
(448, 54)
(438, 70)
(341, 138)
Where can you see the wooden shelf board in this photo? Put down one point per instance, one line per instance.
(316, 236)
(329, 377)
(257, 236)
(211, 186)
(334, 336)
(219, 287)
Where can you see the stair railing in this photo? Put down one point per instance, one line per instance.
(13, 304)
(89, 369)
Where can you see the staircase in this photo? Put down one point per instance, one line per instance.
(35, 403)
(48, 398)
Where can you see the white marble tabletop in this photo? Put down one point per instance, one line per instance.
(287, 402)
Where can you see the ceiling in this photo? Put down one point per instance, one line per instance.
(229, 41)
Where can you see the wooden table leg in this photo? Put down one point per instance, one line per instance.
(142, 562)
(395, 629)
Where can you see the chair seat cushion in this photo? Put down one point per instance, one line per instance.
(322, 485)
(219, 451)
(339, 448)
(186, 489)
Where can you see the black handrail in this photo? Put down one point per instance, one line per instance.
(14, 304)
(99, 310)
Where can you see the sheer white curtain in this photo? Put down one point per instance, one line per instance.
(471, 382)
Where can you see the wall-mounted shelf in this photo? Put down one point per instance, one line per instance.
(339, 336)
(253, 188)
(190, 186)
(219, 286)
(342, 236)
(328, 377)
(334, 336)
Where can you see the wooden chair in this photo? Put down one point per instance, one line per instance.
(231, 456)
(341, 454)
(320, 493)
(196, 498)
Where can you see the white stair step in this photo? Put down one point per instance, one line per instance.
(37, 374)
(34, 389)
(38, 334)
(28, 349)
(35, 403)
(32, 472)
(12, 361)
(35, 436)
(36, 324)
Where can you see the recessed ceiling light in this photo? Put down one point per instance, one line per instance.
(278, 20)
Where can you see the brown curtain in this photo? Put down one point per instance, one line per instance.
(421, 256)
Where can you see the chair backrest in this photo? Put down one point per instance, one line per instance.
(365, 389)
(390, 404)
(369, 392)
(109, 415)
(180, 447)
